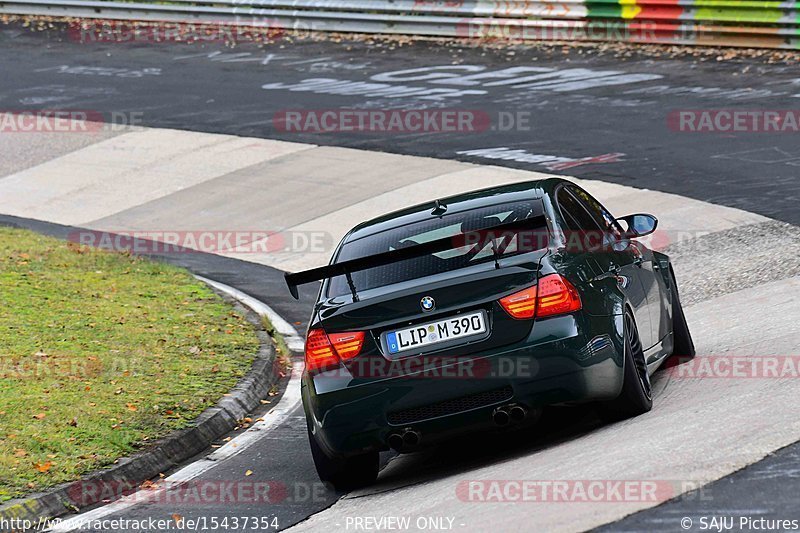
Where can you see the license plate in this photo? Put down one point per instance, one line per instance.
(436, 332)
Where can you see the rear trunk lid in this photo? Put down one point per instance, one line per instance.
(456, 295)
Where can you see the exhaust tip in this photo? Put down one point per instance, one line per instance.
(395, 441)
(518, 413)
(500, 417)
(411, 438)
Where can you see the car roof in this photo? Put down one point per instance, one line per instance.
(461, 202)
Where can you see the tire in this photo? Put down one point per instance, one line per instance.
(683, 345)
(636, 397)
(344, 474)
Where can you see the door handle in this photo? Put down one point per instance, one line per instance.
(638, 261)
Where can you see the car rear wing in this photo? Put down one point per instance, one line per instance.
(476, 238)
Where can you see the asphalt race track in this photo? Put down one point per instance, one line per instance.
(609, 107)
(580, 125)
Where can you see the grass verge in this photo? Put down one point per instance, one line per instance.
(100, 353)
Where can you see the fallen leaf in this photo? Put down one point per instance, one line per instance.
(19, 452)
(43, 467)
(131, 407)
(178, 518)
(215, 368)
(248, 473)
(39, 416)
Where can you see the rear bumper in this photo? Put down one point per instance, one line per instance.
(567, 359)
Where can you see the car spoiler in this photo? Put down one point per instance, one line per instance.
(346, 268)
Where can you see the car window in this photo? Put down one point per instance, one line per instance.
(575, 215)
(459, 256)
(598, 212)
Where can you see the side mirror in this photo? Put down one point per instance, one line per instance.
(638, 225)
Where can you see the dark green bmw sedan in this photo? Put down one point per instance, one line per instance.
(477, 311)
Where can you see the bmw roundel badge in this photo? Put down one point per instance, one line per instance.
(427, 304)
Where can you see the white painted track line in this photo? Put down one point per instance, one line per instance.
(293, 340)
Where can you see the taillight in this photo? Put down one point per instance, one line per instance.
(319, 351)
(347, 345)
(556, 296)
(521, 304)
(327, 351)
(553, 295)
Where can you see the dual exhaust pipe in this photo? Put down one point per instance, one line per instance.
(410, 438)
(507, 414)
(407, 439)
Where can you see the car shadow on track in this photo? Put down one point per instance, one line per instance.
(556, 426)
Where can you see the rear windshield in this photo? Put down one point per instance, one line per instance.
(449, 225)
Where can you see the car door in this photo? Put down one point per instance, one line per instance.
(653, 285)
(657, 291)
(620, 257)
